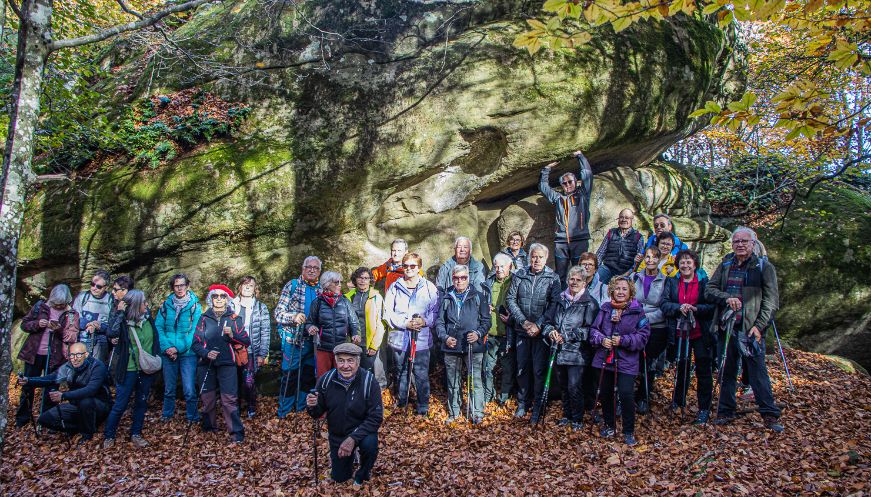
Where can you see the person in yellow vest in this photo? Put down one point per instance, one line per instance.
(369, 306)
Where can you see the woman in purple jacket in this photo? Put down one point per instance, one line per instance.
(620, 333)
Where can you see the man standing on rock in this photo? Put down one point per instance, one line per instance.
(746, 285)
(572, 236)
(297, 352)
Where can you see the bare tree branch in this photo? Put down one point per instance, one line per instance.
(123, 28)
(127, 9)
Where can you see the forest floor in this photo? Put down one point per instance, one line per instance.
(825, 450)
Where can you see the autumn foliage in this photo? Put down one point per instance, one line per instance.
(824, 451)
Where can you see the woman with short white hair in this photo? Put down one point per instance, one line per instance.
(332, 321)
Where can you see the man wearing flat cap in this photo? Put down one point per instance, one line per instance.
(351, 399)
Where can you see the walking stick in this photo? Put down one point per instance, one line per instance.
(782, 356)
(470, 383)
(729, 317)
(301, 339)
(315, 430)
(677, 369)
(686, 363)
(412, 353)
(554, 347)
(202, 387)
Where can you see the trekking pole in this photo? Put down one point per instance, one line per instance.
(605, 361)
(677, 369)
(729, 318)
(202, 387)
(315, 430)
(686, 362)
(20, 375)
(285, 378)
(43, 393)
(412, 353)
(554, 347)
(782, 356)
(470, 383)
(301, 339)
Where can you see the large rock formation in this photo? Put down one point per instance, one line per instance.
(376, 120)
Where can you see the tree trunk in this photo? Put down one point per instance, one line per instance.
(34, 37)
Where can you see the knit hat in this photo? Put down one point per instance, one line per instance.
(217, 288)
(347, 348)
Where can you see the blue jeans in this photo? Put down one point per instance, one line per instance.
(133, 382)
(186, 366)
(604, 274)
(297, 366)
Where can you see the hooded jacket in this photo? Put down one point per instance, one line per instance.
(477, 274)
(402, 303)
(457, 320)
(634, 331)
(653, 300)
(759, 295)
(572, 211)
(336, 323)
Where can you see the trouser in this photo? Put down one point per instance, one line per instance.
(571, 379)
(184, 367)
(247, 388)
(568, 254)
(223, 378)
(421, 378)
(606, 273)
(656, 344)
(135, 384)
(704, 377)
(625, 387)
(589, 385)
(25, 404)
(101, 351)
(499, 352)
(757, 375)
(382, 367)
(82, 416)
(367, 362)
(454, 365)
(326, 361)
(342, 467)
(296, 356)
(531, 368)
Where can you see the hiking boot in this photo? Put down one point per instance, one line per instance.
(702, 417)
(451, 420)
(563, 422)
(238, 438)
(85, 438)
(139, 442)
(535, 418)
(21, 422)
(520, 412)
(724, 420)
(164, 419)
(477, 420)
(577, 425)
(108, 443)
(629, 439)
(772, 424)
(606, 432)
(643, 407)
(674, 408)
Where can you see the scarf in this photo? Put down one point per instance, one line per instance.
(180, 303)
(568, 295)
(688, 293)
(618, 309)
(330, 298)
(346, 383)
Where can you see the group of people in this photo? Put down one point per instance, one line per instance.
(601, 320)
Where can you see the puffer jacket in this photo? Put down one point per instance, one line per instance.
(259, 329)
(456, 321)
(671, 309)
(530, 295)
(210, 336)
(572, 320)
(519, 261)
(634, 331)
(652, 302)
(336, 324)
(61, 339)
(176, 329)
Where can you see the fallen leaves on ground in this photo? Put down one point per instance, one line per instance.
(824, 451)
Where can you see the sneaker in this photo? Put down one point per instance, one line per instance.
(772, 424)
(643, 407)
(139, 442)
(357, 484)
(563, 422)
(251, 413)
(724, 420)
(606, 432)
(629, 439)
(702, 417)
(577, 425)
(520, 412)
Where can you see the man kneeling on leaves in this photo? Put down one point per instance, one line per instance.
(85, 381)
(351, 399)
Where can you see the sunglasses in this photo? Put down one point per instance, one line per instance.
(567, 182)
(98, 287)
(222, 296)
(410, 266)
(76, 355)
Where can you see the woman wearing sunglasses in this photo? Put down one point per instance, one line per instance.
(219, 333)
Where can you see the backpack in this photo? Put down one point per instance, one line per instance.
(367, 383)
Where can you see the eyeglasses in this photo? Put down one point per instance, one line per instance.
(587, 264)
(222, 296)
(409, 266)
(116, 289)
(742, 242)
(311, 268)
(183, 285)
(76, 355)
(97, 286)
(460, 278)
(660, 225)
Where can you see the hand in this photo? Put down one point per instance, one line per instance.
(551, 165)
(451, 342)
(472, 337)
(43, 323)
(312, 330)
(171, 351)
(299, 318)
(371, 352)
(492, 309)
(213, 354)
(577, 153)
(94, 325)
(755, 333)
(533, 330)
(22, 380)
(114, 341)
(171, 355)
(55, 396)
(615, 340)
(228, 331)
(734, 303)
(347, 447)
(261, 361)
(607, 343)
(53, 325)
(122, 306)
(556, 337)
(638, 258)
(356, 339)
(685, 308)
(311, 399)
